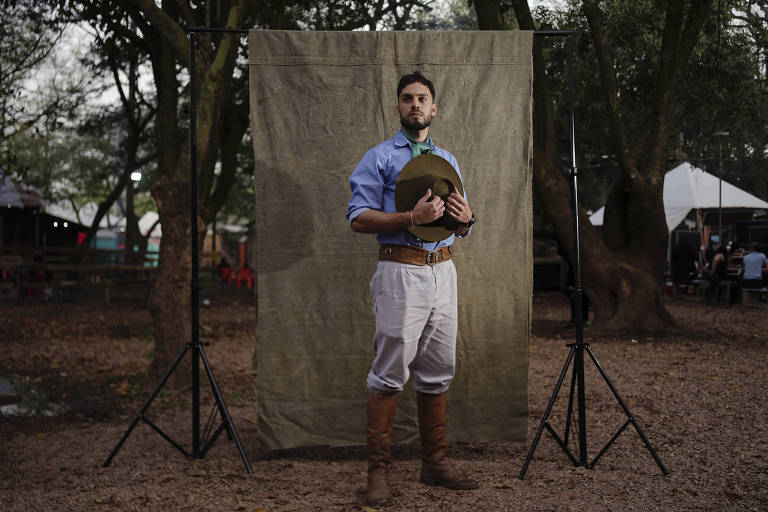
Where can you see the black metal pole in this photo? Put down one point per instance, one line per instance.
(195, 283)
(197, 351)
(194, 344)
(578, 362)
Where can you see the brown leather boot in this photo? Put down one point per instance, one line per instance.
(435, 469)
(381, 417)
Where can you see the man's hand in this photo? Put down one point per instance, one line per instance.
(427, 210)
(458, 208)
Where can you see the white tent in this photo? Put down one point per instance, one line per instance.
(687, 187)
(13, 195)
(87, 212)
(147, 221)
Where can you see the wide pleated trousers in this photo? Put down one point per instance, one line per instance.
(416, 324)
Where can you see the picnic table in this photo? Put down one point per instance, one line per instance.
(64, 272)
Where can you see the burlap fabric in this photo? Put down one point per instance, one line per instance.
(319, 101)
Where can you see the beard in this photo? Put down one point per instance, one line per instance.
(408, 124)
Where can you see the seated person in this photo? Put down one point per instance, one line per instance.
(683, 262)
(224, 271)
(717, 273)
(753, 268)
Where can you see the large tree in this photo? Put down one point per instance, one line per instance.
(161, 29)
(622, 269)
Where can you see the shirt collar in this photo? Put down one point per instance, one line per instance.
(400, 140)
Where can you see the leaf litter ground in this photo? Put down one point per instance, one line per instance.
(698, 391)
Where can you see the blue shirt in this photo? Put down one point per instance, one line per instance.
(753, 265)
(373, 187)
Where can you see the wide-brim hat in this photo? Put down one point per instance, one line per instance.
(428, 172)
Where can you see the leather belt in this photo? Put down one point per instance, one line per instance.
(414, 255)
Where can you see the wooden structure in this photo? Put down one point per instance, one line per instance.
(54, 273)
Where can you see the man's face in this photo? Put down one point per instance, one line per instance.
(415, 106)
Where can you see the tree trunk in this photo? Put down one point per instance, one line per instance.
(169, 301)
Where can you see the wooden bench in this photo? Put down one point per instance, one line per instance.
(9, 399)
(73, 280)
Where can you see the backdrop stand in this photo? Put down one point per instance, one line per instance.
(200, 444)
(576, 354)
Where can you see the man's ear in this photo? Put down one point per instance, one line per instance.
(434, 109)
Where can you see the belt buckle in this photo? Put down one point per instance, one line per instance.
(433, 257)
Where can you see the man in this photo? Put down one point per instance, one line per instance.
(414, 292)
(753, 268)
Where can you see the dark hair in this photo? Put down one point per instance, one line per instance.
(414, 77)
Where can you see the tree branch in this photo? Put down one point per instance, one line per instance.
(186, 12)
(679, 36)
(170, 30)
(123, 99)
(610, 87)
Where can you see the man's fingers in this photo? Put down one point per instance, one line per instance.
(456, 199)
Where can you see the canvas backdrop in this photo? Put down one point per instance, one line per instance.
(319, 101)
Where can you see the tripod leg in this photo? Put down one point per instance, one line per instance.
(224, 412)
(140, 415)
(544, 418)
(569, 411)
(578, 369)
(629, 416)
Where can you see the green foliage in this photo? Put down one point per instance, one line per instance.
(445, 15)
(723, 88)
(63, 164)
(726, 90)
(354, 14)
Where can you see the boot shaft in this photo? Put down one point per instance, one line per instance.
(380, 420)
(435, 468)
(432, 411)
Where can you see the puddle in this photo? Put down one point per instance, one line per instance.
(33, 402)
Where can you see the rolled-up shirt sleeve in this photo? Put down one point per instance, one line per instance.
(367, 186)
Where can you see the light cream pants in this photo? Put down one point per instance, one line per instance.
(416, 319)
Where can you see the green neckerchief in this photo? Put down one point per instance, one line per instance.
(417, 148)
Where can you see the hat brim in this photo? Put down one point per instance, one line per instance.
(419, 174)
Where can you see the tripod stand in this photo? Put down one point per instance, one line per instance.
(195, 346)
(577, 350)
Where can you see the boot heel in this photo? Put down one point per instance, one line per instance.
(429, 481)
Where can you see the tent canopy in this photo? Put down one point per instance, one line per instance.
(87, 212)
(687, 187)
(13, 195)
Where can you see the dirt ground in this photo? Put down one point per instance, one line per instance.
(699, 393)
